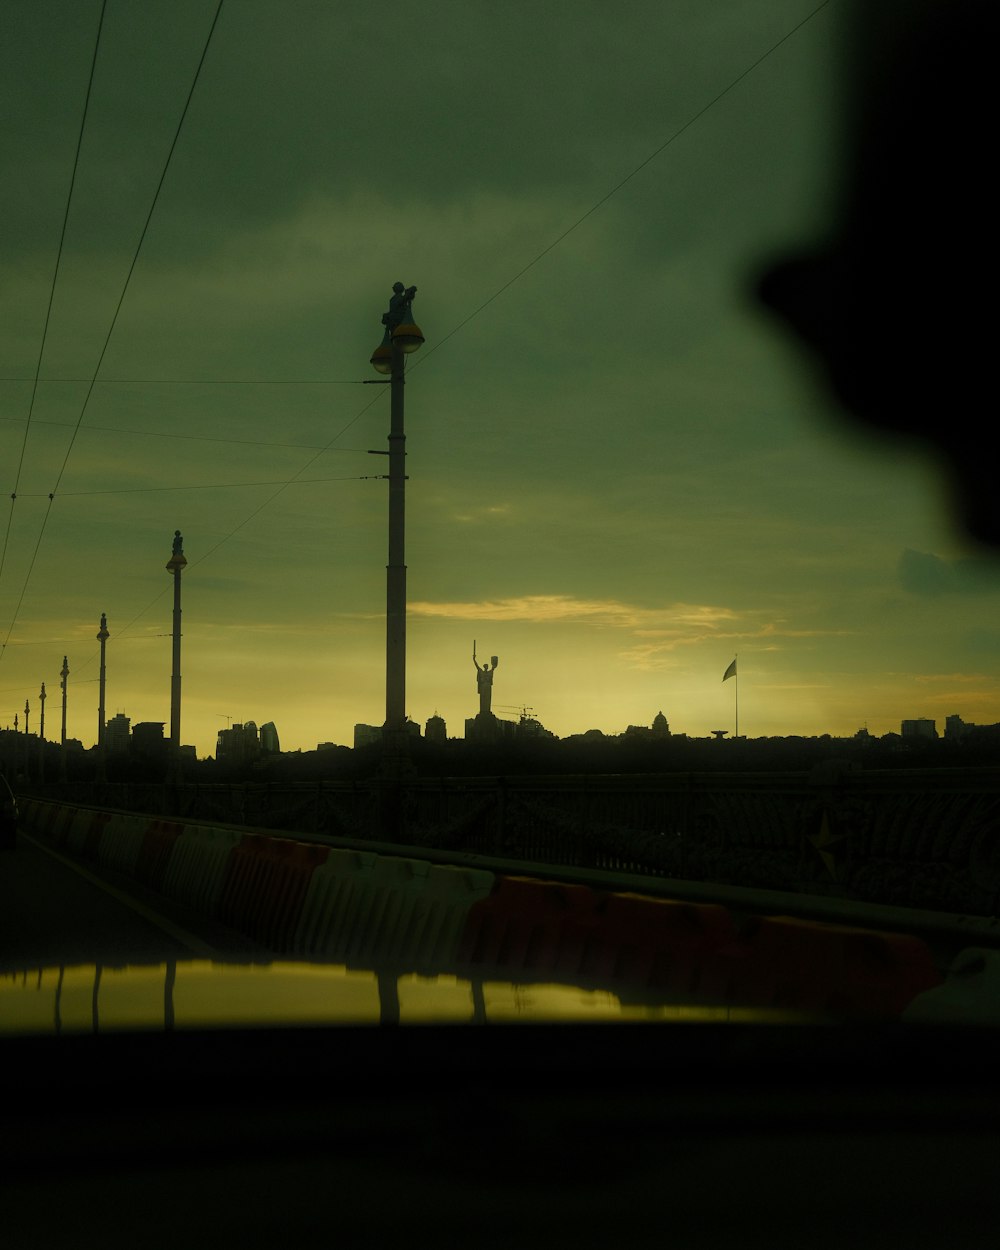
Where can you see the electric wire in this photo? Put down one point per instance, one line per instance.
(193, 438)
(52, 285)
(201, 381)
(142, 490)
(114, 319)
(138, 247)
(682, 129)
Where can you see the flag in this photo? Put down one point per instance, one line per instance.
(730, 671)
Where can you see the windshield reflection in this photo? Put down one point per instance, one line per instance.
(200, 994)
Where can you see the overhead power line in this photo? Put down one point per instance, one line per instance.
(52, 285)
(194, 438)
(118, 307)
(623, 182)
(141, 490)
(201, 381)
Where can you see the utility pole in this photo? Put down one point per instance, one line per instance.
(175, 565)
(102, 638)
(41, 737)
(62, 755)
(27, 748)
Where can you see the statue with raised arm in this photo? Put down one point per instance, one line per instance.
(484, 681)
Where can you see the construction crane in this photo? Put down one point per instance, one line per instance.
(525, 712)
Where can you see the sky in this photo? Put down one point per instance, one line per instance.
(622, 472)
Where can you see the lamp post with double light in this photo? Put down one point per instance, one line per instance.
(402, 336)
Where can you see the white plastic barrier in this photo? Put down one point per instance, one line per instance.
(121, 841)
(197, 867)
(333, 902)
(368, 908)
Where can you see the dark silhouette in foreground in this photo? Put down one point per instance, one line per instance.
(895, 305)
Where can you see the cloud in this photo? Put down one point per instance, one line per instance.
(656, 654)
(979, 679)
(482, 515)
(548, 609)
(930, 576)
(655, 633)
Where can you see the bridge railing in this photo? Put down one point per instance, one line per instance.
(918, 839)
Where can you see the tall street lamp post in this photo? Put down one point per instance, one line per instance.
(175, 565)
(41, 736)
(64, 676)
(102, 638)
(401, 337)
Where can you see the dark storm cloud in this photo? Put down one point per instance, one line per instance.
(294, 104)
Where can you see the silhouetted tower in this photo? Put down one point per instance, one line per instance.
(175, 565)
(27, 749)
(64, 672)
(41, 735)
(102, 638)
(401, 337)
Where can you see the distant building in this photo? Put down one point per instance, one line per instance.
(367, 735)
(955, 728)
(532, 727)
(920, 728)
(269, 743)
(116, 734)
(436, 730)
(660, 727)
(147, 738)
(238, 744)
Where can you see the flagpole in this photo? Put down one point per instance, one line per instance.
(733, 671)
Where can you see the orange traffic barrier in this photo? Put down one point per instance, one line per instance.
(573, 931)
(780, 961)
(155, 851)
